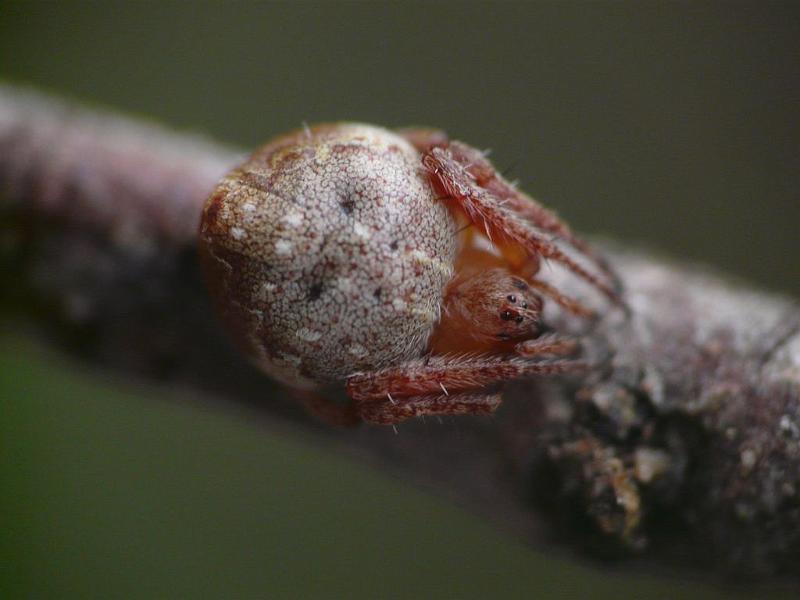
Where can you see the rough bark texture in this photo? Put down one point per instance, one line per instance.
(681, 445)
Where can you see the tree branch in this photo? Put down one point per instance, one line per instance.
(681, 445)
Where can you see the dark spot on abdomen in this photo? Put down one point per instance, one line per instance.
(314, 292)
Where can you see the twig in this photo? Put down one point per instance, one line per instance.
(680, 446)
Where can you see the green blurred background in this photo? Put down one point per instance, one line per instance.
(673, 126)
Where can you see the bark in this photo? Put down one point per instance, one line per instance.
(680, 446)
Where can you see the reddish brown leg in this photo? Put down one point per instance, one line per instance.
(563, 301)
(487, 177)
(504, 215)
(546, 344)
(447, 375)
(385, 412)
(516, 238)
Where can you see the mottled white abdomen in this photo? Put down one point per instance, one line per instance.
(328, 253)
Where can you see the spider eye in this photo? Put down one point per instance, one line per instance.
(524, 305)
(506, 315)
(512, 298)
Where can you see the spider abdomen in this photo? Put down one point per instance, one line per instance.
(327, 253)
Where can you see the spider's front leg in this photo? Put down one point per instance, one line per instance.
(518, 226)
(517, 239)
(507, 194)
(442, 385)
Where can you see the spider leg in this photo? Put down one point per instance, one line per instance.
(388, 413)
(546, 344)
(447, 374)
(489, 178)
(564, 301)
(514, 236)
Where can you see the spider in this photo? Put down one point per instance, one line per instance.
(401, 264)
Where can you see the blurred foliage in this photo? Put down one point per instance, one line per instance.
(670, 125)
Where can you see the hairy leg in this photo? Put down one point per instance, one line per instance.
(385, 412)
(516, 238)
(447, 375)
(487, 177)
(564, 301)
(547, 344)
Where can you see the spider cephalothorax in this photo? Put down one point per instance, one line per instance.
(401, 264)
